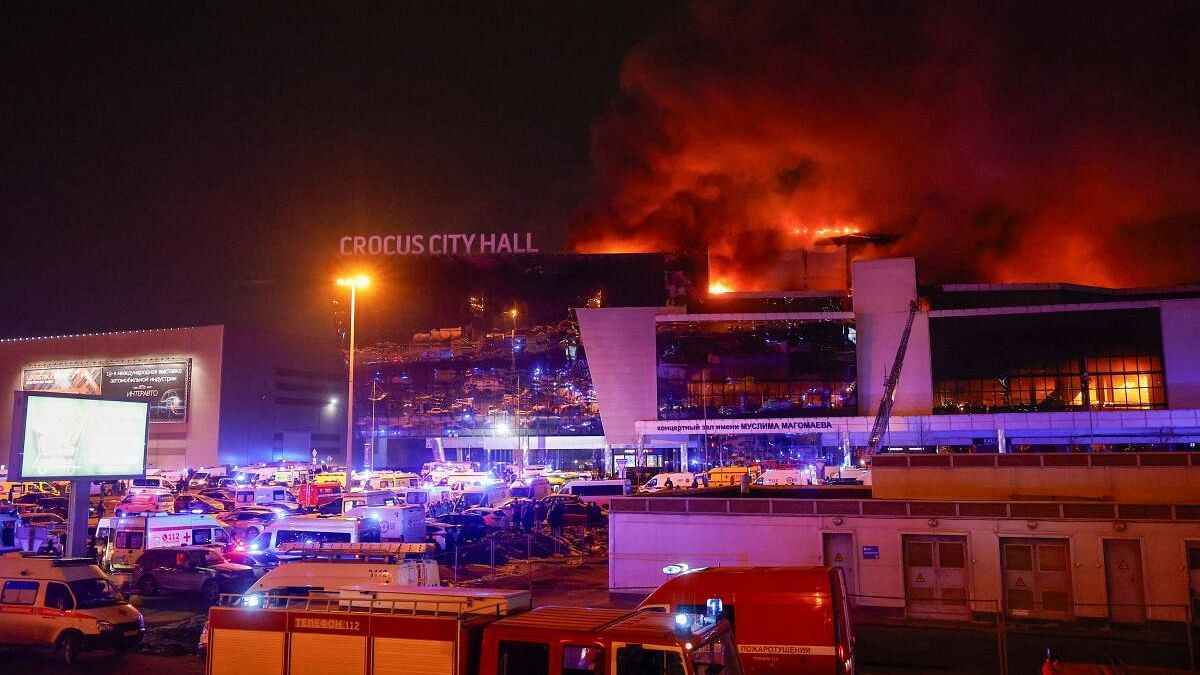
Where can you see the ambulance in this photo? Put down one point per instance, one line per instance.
(787, 619)
(403, 523)
(66, 604)
(123, 539)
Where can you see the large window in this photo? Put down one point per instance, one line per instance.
(1110, 360)
(756, 369)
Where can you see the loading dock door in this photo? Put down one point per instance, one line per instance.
(839, 552)
(1123, 574)
(1037, 578)
(936, 576)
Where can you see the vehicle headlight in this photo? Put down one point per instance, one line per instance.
(104, 626)
(252, 600)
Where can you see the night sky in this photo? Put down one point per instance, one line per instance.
(179, 164)
(192, 163)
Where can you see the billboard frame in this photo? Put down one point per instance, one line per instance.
(16, 455)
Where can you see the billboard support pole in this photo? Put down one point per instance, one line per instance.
(77, 525)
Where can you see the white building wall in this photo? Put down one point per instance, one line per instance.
(171, 445)
(641, 544)
(620, 347)
(883, 290)
(1181, 352)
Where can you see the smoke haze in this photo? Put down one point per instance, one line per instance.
(1009, 142)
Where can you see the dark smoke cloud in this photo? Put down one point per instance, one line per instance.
(1013, 142)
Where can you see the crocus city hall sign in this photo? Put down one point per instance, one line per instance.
(476, 243)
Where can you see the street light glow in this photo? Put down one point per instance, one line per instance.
(357, 281)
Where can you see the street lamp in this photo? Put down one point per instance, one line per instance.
(355, 283)
(518, 458)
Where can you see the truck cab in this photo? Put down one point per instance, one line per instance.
(588, 641)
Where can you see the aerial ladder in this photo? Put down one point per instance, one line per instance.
(884, 414)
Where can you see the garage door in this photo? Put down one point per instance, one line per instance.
(1037, 578)
(936, 580)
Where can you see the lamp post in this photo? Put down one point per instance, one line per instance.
(518, 455)
(354, 283)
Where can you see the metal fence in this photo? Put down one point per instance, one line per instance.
(1002, 643)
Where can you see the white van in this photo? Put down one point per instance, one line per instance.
(313, 529)
(150, 486)
(596, 491)
(393, 480)
(265, 494)
(343, 503)
(531, 487)
(327, 567)
(679, 481)
(487, 494)
(405, 524)
(123, 539)
(67, 604)
(837, 473)
(788, 477)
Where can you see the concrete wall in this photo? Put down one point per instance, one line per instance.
(1181, 352)
(172, 445)
(883, 290)
(641, 544)
(620, 348)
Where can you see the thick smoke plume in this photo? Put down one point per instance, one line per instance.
(1013, 142)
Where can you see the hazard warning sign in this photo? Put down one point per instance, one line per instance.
(1020, 583)
(920, 578)
(838, 558)
(1122, 565)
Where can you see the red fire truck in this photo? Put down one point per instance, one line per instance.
(787, 619)
(452, 631)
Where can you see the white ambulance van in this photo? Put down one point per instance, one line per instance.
(405, 523)
(311, 529)
(125, 538)
(66, 604)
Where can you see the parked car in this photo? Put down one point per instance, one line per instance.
(197, 504)
(441, 535)
(53, 521)
(220, 495)
(260, 562)
(190, 569)
(492, 517)
(248, 522)
(146, 503)
(473, 525)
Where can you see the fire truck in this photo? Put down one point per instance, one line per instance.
(789, 620)
(455, 631)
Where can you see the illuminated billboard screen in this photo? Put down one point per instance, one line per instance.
(71, 437)
(163, 385)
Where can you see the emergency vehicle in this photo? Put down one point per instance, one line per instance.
(597, 491)
(806, 476)
(403, 523)
(312, 529)
(392, 480)
(788, 619)
(310, 495)
(67, 604)
(731, 475)
(264, 494)
(463, 632)
(327, 567)
(123, 538)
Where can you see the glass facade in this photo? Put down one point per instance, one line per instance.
(1106, 360)
(734, 369)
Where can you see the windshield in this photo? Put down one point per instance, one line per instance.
(716, 658)
(93, 593)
